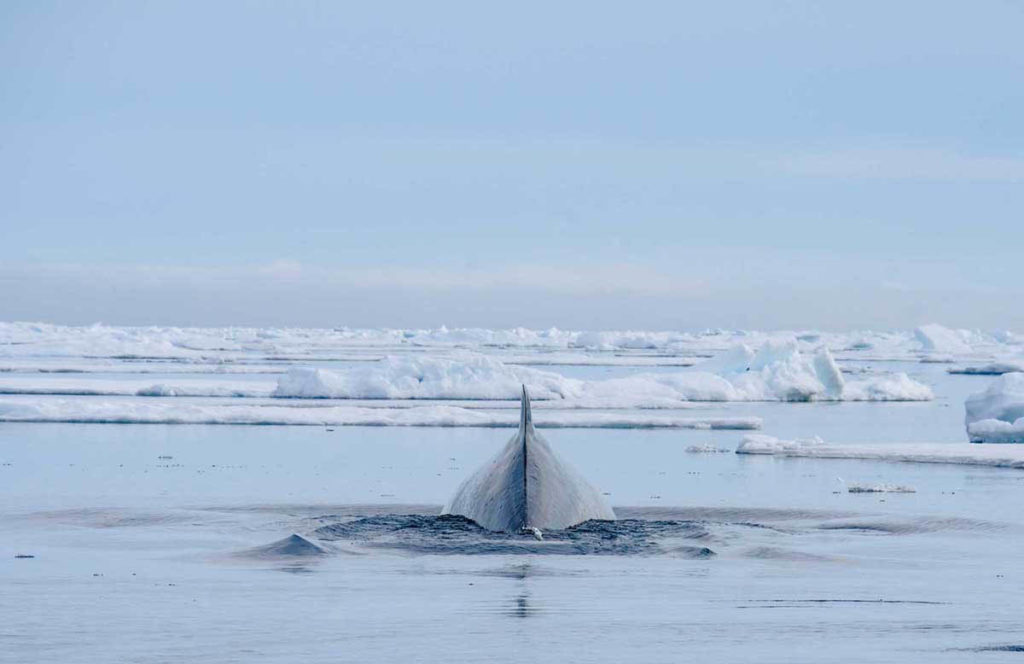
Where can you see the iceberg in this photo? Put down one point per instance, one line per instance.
(996, 415)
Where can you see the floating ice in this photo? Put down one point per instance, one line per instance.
(997, 414)
(879, 488)
(1001, 456)
(214, 386)
(777, 371)
(764, 444)
(172, 412)
(470, 376)
(997, 368)
(707, 448)
(215, 346)
(938, 339)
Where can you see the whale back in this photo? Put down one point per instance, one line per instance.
(527, 485)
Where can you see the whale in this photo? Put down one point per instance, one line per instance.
(526, 487)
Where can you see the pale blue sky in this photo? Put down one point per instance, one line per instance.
(664, 165)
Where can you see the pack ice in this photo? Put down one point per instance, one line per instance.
(777, 371)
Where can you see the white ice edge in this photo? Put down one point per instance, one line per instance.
(967, 454)
(170, 387)
(133, 412)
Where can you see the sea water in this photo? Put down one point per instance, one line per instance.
(153, 543)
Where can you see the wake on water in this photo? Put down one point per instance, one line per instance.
(686, 533)
(456, 535)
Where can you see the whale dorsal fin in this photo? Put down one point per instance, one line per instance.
(525, 418)
(525, 429)
(527, 486)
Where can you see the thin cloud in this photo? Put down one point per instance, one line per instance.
(582, 280)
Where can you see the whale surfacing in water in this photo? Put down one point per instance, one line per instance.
(528, 487)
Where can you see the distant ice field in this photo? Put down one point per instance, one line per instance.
(586, 379)
(792, 384)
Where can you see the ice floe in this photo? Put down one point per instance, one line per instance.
(997, 368)
(125, 411)
(470, 376)
(1000, 456)
(938, 339)
(708, 448)
(777, 371)
(996, 415)
(213, 386)
(879, 488)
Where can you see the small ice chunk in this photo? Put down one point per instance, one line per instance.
(707, 448)
(880, 488)
(763, 444)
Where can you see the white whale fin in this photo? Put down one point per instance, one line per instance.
(527, 486)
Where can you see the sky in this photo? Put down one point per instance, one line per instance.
(584, 165)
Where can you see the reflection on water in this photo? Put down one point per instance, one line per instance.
(519, 571)
(522, 607)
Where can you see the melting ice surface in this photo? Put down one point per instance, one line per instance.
(152, 542)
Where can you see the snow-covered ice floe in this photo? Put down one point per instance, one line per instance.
(134, 412)
(995, 368)
(938, 339)
(777, 371)
(996, 415)
(1001, 456)
(141, 387)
